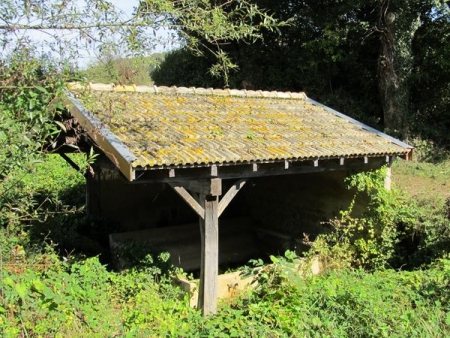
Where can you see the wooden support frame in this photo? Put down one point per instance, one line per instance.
(206, 204)
(209, 270)
(191, 201)
(253, 170)
(231, 193)
(388, 178)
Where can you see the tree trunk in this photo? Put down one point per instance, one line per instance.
(395, 65)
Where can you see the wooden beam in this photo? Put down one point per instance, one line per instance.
(228, 197)
(214, 171)
(118, 153)
(209, 271)
(388, 178)
(70, 162)
(240, 171)
(189, 199)
(204, 186)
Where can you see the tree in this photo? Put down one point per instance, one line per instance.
(40, 43)
(398, 23)
(66, 26)
(430, 93)
(358, 56)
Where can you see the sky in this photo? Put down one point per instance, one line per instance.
(127, 6)
(90, 55)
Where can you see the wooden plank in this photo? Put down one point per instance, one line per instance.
(209, 229)
(228, 197)
(388, 178)
(208, 187)
(201, 284)
(264, 169)
(189, 199)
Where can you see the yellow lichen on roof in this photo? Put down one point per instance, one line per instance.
(182, 126)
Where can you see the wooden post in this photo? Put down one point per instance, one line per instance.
(206, 205)
(388, 178)
(209, 270)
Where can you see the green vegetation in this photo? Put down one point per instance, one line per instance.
(49, 287)
(395, 231)
(386, 272)
(84, 298)
(122, 70)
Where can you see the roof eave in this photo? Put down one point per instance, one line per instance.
(104, 139)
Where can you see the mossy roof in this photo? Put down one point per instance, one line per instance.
(164, 126)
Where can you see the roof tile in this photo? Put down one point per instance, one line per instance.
(189, 126)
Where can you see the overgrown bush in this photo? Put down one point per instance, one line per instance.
(84, 298)
(352, 303)
(27, 87)
(394, 231)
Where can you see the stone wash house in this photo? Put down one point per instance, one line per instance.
(257, 170)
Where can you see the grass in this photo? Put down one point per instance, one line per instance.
(423, 180)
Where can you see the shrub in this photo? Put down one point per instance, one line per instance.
(352, 303)
(394, 231)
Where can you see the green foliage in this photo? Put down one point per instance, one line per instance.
(368, 241)
(393, 231)
(27, 88)
(83, 298)
(125, 71)
(430, 80)
(425, 150)
(182, 68)
(353, 303)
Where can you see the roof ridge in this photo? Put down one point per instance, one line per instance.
(188, 90)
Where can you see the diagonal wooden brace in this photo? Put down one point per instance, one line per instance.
(189, 199)
(228, 197)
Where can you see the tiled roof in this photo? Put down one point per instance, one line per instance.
(186, 127)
